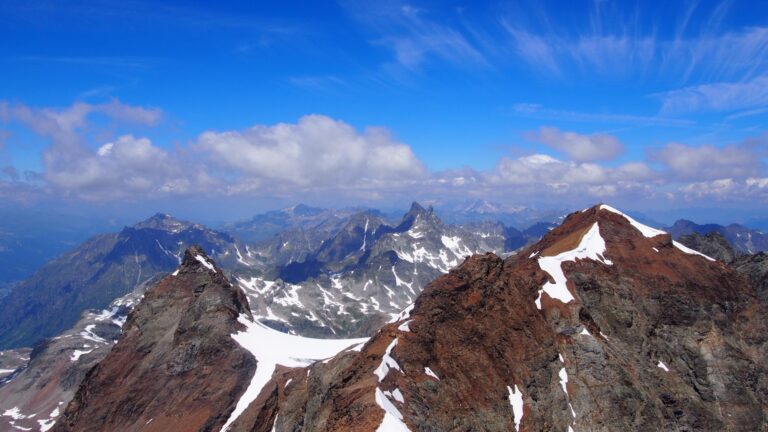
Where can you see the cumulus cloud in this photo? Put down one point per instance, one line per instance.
(580, 148)
(548, 174)
(319, 155)
(752, 189)
(707, 162)
(315, 151)
(128, 166)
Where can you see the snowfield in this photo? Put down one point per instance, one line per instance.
(271, 348)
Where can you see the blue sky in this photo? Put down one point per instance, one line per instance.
(643, 104)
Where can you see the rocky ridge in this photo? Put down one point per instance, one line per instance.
(605, 324)
(176, 362)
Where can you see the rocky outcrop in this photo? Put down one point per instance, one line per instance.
(603, 325)
(176, 366)
(712, 244)
(753, 266)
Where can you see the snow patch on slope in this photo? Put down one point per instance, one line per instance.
(431, 373)
(393, 420)
(690, 251)
(387, 362)
(204, 262)
(516, 400)
(592, 246)
(271, 348)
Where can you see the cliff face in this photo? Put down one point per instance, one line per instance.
(176, 366)
(603, 325)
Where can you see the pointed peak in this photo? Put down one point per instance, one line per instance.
(195, 257)
(416, 208)
(613, 226)
(415, 214)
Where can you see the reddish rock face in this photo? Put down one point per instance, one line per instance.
(176, 366)
(654, 338)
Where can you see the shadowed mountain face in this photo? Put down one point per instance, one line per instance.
(742, 239)
(603, 325)
(298, 218)
(177, 366)
(100, 270)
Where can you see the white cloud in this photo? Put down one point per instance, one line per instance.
(413, 37)
(549, 175)
(707, 162)
(536, 111)
(317, 151)
(321, 156)
(719, 189)
(753, 190)
(580, 148)
(722, 96)
(126, 167)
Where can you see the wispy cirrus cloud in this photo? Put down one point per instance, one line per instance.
(537, 111)
(722, 96)
(413, 37)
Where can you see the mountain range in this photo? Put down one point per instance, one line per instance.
(604, 324)
(356, 277)
(740, 238)
(307, 261)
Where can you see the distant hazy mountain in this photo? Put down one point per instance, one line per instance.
(301, 217)
(480, 210)
(741, 238)
(30, 238)
(100, 270)
(39, 387)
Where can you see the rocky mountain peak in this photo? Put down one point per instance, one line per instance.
(417, 215)
(186, 372)
(196, 260)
